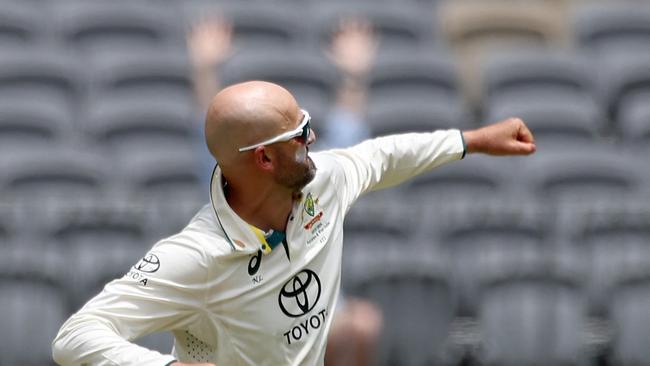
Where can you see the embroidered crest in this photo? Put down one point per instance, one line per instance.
(309, 205)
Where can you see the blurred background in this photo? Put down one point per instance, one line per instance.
(543, 260)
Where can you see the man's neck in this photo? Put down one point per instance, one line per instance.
(264, 209)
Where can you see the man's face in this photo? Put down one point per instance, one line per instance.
(295, 169)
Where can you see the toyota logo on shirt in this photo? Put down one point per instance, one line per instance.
(149, 264)
(300, 294)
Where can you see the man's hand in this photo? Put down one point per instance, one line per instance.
(508, 137)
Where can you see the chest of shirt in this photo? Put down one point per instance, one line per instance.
(288, 293)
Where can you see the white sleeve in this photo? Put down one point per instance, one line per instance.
(165, 293)
(387, 161)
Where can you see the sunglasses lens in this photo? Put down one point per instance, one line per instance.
(306, 131)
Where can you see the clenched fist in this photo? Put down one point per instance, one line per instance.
(508, 137)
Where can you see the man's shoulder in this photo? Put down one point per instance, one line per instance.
(202, 235)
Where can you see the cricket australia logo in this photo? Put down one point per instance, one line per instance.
(309, 205)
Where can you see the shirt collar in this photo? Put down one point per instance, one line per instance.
(241, 236)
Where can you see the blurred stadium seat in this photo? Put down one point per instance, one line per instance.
(45, 174)
(141, 72)
(414, 76)
(574, 173)
(389, 115)
(29, 279)
(611, 27)
(413, 290)
(118, 122)
(23, 122)
(629, 311)
(311, 78)
(538, 73)
(21, 24)
(40, 72)
(99, 158)
(531, 319)
(399, 25)
(553, 118)
(90, 26)
(256, 24)
(477, 236)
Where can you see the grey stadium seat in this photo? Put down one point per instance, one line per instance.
(52, 174)
(21, 23)
(478, 235)
(633, 122)
(531, 320)
(311, 78)
(23, 122)
(628, 308)
(625, 76)
(404, 26)
(552, 118)
(573, 173)
(417, 301)
(99, 240)
(532, 310)
(36, 71)
(424, 75)
(538, 73)
(256, 24)
(141, 73)
(612, 27)
(392, 115)
(614, 237)
(117, 122)
(33, 303)
(473, 177)
(91, 26)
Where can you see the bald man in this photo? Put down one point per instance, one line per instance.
(254, 277)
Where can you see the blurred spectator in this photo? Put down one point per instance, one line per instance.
(353, 50)
(356, 328)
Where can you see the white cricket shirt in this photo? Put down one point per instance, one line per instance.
(223, 298)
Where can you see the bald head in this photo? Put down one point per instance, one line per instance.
(245, 114)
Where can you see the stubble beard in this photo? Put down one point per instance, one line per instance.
(296, 175)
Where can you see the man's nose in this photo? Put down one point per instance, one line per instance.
(312, 137)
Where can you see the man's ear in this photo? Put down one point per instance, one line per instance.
(262, 158)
